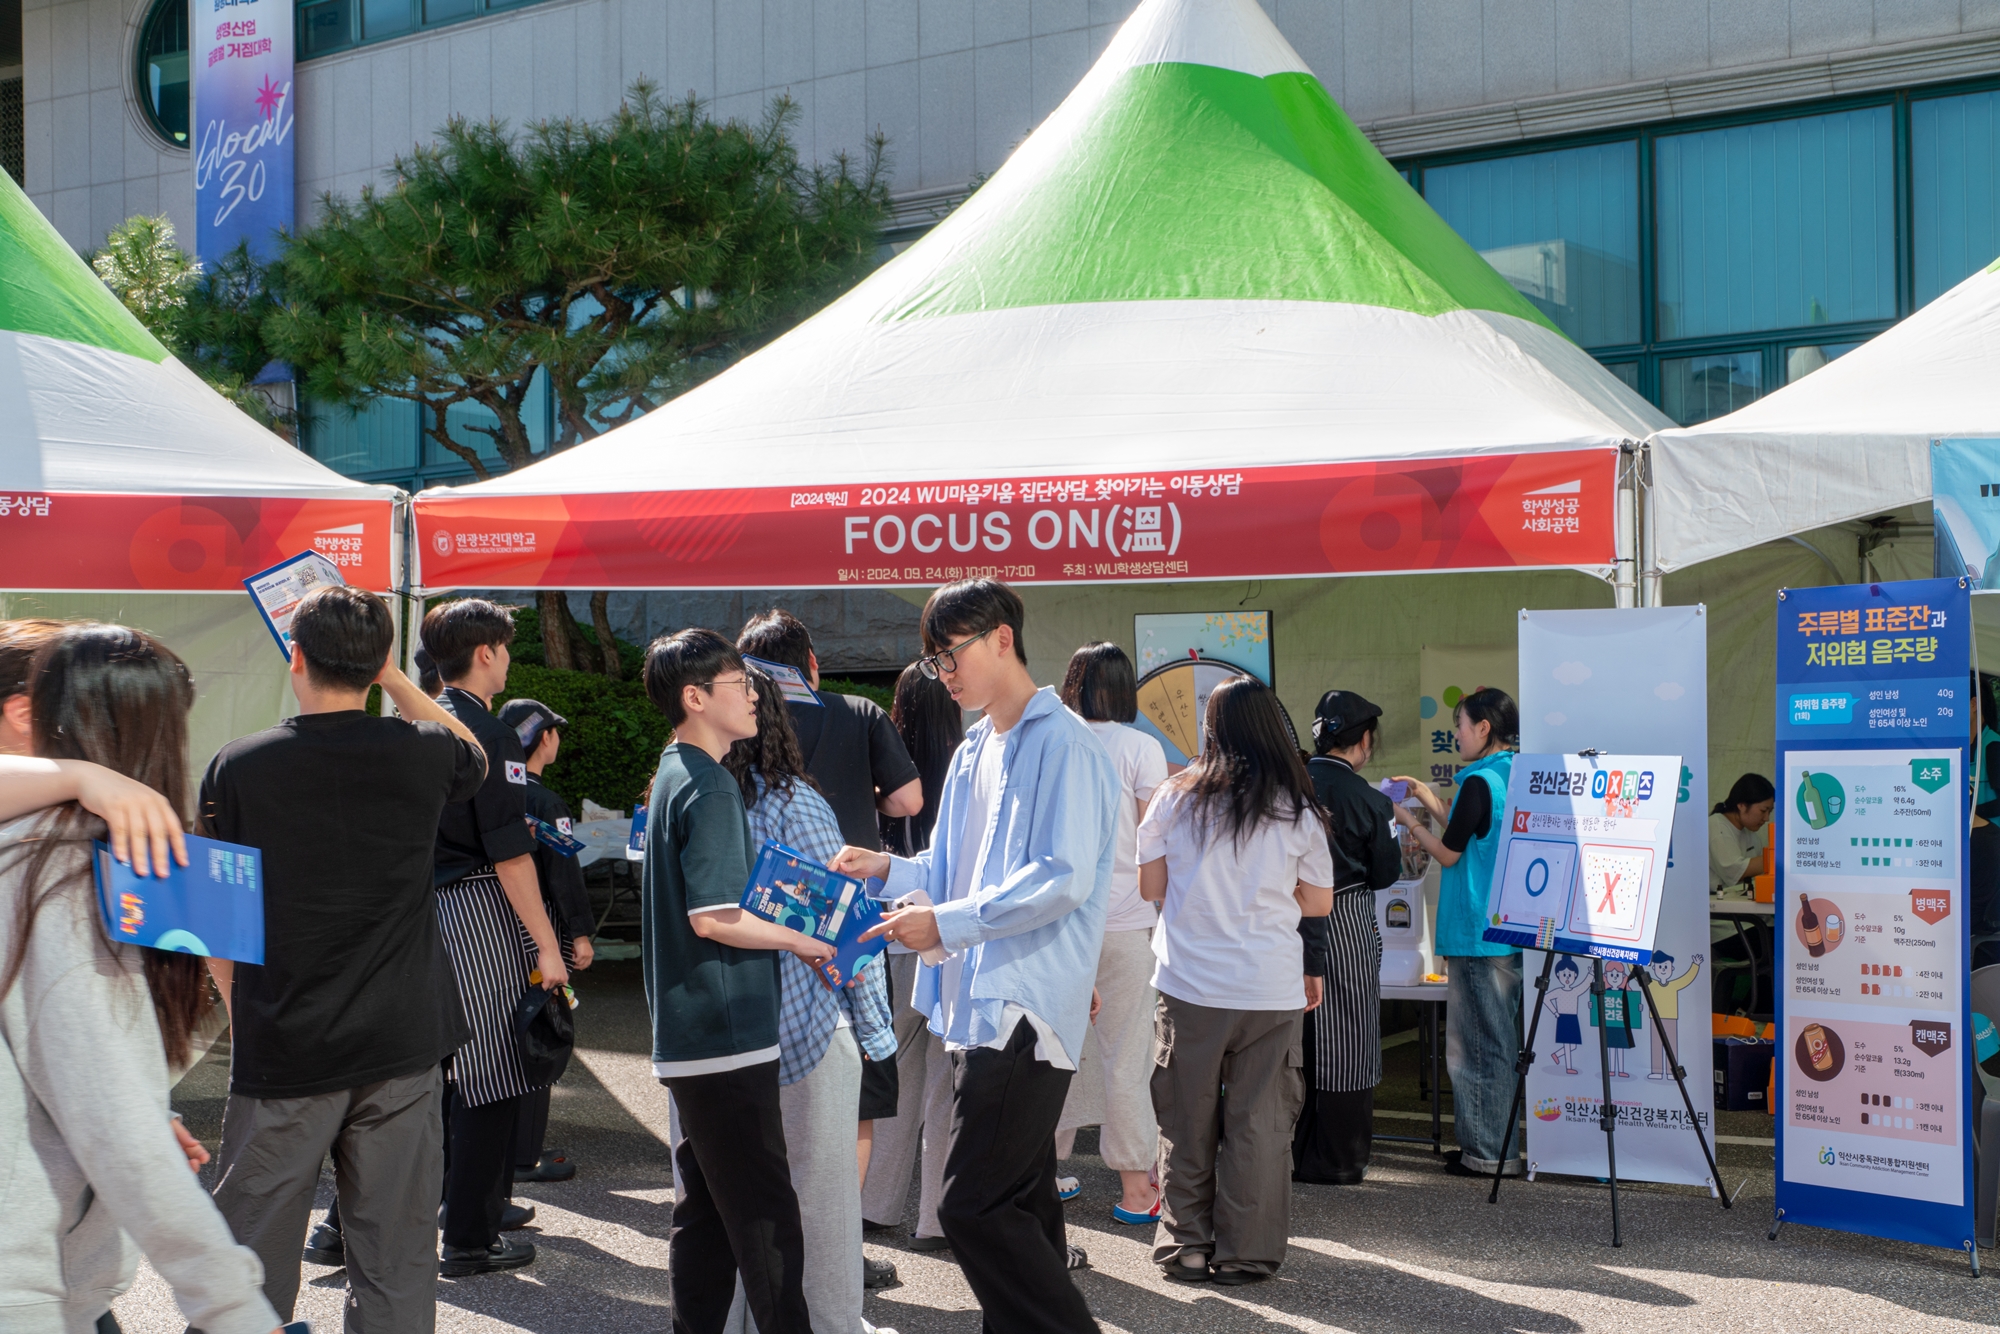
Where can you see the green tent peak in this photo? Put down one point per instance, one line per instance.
(1183, 181)
(45, 288)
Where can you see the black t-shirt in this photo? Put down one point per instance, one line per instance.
(355, 986)
(1471, 817)
(567, 900)
(853, 752)
(492, 826)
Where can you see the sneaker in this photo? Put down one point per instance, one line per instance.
(516, 1216)
(1068, 1188)
(325, 1246)
(503, 1254)
(877, 1273)
(554, 1165)
(1076, 1259)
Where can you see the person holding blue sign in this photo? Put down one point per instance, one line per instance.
(1483, 1013)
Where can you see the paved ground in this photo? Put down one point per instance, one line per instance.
(1411, 1250)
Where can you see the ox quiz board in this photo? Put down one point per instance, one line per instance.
(1584, 856)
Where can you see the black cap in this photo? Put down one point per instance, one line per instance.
(530, 718)
(1339, 710)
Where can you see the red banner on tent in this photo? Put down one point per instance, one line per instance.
(105, 543)
(1483, 512)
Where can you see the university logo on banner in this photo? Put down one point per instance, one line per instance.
(242, 56)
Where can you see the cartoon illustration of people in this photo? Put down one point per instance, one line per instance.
(1570, 989)
(1666, 989)
(1615, 1017)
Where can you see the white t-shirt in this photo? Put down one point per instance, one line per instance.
(979, 805)
(1228, 934)
(1730, 850)
(1142, 767)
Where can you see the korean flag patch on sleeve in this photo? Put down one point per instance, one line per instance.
(517, 772)
(565, 826)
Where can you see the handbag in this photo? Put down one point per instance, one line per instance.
(544, 1034)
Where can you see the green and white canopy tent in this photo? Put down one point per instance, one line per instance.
(130, 490)
(1196, 272)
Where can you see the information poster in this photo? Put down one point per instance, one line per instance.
(1873, 1119)
(1631, 680)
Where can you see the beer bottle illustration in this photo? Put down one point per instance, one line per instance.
(1809, 927)
(1818, 1049)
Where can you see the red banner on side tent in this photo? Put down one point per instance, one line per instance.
(1484, 512)
(99, 543)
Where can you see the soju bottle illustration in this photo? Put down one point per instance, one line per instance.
(1815, 804)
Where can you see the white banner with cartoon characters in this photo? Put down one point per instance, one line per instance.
(1629, 681)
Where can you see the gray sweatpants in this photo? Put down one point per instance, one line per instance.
(819, 1144)
(387, 1141)
(1226, 1172)
(922, 1120)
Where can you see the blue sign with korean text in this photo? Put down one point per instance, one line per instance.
(1874, 1073)
(242, 56)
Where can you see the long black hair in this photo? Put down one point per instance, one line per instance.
(1746, 791)
(1100, 685)
(1249, 771)
(932, 726)
(774, 752)
(119, 698)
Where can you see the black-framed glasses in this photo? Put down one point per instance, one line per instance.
(744, 681)
(946, 660)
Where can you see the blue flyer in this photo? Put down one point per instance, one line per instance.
(792, 890)
(213, 906)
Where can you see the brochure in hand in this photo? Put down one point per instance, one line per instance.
(549, 836)
(792, 890)
(279, 590)
(791, 682)
(213, 906)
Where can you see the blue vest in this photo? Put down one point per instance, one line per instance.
(1462, 887)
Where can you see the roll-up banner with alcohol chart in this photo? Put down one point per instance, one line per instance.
(1874, 1121)
(1633, 682)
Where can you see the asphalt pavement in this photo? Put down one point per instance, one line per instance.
(1409, 1250)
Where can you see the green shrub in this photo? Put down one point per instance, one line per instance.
(841, 686)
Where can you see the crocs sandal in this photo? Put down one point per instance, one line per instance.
(1068, 1188)
(1120, 1214)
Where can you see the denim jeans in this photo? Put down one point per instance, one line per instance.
(1482, 1038)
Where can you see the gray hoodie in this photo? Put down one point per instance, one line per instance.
(88, 1161)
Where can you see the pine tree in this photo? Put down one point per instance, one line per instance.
(626, 260)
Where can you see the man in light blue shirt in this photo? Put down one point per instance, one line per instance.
(1010, 919)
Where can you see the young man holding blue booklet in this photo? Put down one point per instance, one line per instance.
(712, 988)
(1017, 881)
(339, 1032)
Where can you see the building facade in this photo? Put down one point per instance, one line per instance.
(1712, 196)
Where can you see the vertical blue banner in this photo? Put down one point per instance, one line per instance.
(1874, 1064)
(241, 51)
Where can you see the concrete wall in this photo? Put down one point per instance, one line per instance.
(955, 84)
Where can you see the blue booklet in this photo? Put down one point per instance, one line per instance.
(792, 890)
(213, 906)
(635, 846)
(551, 837)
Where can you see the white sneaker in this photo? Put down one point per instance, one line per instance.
(1068, 1188)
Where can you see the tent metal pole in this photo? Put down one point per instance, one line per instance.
(1650, 579)
(1624, 580)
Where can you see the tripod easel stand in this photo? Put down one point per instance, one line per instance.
(1607, 1118)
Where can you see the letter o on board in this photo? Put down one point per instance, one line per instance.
(1035, 528)
(901, 535)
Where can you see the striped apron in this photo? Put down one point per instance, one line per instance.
(491, 957)
(1346, 1029)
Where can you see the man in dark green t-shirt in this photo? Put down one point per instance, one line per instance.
(712, 988)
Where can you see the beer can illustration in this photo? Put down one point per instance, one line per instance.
(1818, 1050)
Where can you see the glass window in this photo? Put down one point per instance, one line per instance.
(1778, 225)
(377, 437)
(1561, 226)
(1803, 361)
(386, 18)
(1628, 371)
(438, 11)
(325, 26)
(163, 68)
(1694, 389)
(1954, 188)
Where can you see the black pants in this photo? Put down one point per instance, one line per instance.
(999, 1209)
(1336, 1131)
(737, 1213)
(478, 1169)
(531, 1127)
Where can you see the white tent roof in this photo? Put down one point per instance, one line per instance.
(1850, 440)
(1196, 262)
(91, 402)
